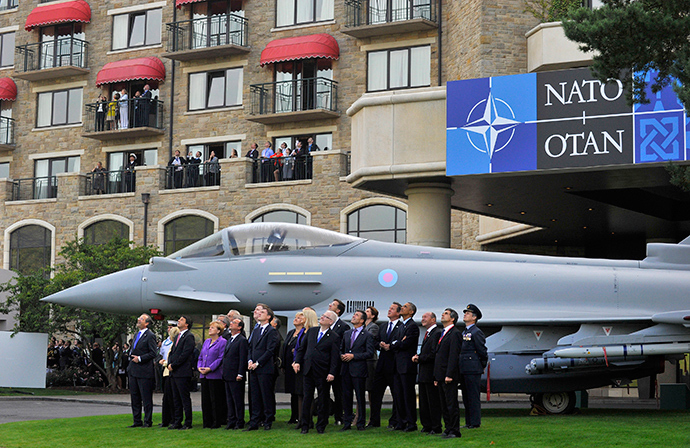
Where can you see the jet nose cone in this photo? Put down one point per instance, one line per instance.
(119, 293)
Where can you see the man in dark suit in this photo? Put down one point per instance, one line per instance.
(262, 345)
(473, 359)
(385, 369)
(429, 399)
(317, 358)
(253, 152)
(180, 366)
(340, 327)
(405, 347)
(356, 347)
(144, 108)
(142, 375)
(234, 373)
(447, 374)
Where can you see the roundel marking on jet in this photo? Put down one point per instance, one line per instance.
(388, 278)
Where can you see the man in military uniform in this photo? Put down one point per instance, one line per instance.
(473, 360)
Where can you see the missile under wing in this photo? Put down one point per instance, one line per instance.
(561, 324)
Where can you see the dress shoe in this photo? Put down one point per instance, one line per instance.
(452, 435)
(185, 427)
(425, 430)
(146, 425)
(163, 425)
(320, 431)
(136, 425)
(361, 428)
(410, 429)
(267, 427)
(346, 428)
(174, 426)
(250, 428)
(431, 433)
(305, 431)
(292, 421)
(373, 425)
(230, 426)
(444, 433)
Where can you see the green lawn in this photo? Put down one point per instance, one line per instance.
(500, 428)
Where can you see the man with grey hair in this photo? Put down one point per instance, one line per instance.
(142, 373)
(234, 314)
(317, 357)
(225, 320)
(429, 399)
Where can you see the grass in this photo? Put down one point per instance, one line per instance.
(23, 391)
(512, 428)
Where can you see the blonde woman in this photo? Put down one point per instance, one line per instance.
(213, 406)
(167, 418)
(293, 381)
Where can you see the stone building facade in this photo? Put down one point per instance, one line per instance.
(477, 38)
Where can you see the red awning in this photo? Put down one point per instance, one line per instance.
(141, 68)
(179, 3)
(8, 89)
(74, 11)
(302, 47)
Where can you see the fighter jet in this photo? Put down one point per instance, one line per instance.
(561, 324)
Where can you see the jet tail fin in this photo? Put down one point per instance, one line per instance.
(668, 256)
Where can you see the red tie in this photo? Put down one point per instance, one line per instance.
(178, 339)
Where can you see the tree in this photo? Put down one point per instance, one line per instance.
(630, 38)
(83, 262)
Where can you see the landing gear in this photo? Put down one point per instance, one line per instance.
(555, 402)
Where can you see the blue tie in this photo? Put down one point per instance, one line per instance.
(136, 340)
(320, 336)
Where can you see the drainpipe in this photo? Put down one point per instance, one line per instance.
(172, 95)
(146, 198)
(440, 42)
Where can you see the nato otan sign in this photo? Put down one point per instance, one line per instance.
(559, 119)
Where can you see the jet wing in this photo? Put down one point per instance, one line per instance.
(202, 296)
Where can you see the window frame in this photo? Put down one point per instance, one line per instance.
(52, 107)
(130, 24)
(12, 49)
(208, 223)
(209, 75)
(388, 52)
(14, 255)
(396, 229)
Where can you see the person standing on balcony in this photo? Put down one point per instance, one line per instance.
(212, 170)
(176, 169)
(112, 114)
(130, 175)
(193, 163)
(145, 105)
(101, 109)
(98, 179)
(124, 109)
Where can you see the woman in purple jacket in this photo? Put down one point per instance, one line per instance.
(213, 407)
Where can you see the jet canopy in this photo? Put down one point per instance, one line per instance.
(262, 238)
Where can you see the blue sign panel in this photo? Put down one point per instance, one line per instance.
(560, 119)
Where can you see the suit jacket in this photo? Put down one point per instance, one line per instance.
(180, 357)
(262, 348)
(447, 352)
(386, 363)
(147, 349)
(340, 327)
(212, 356)
(363, 349)
(319, 357)
(473, 355)
(235, 358)
(404, 347)
(427, 355)
(252, 153)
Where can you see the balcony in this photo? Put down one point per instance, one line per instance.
(110, 182)
(66, 56)
(192, 175)
(294, 100)
(34, 188)
(369, 18)
(208, 37)
(7, 126)
(145, 118)
(549, 49)
(282, 169)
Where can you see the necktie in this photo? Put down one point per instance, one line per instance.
(136, 340)
(178, 339)
(252, 333)
(426, 335)
(320, 336)
(441, 338)
(390, 328)
(354, 336)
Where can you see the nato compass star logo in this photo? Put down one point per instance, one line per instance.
(490, 125)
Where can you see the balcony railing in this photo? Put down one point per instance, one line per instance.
(120, 115)
(7, 131)
(34, 188)
(376, 12)
(277, 169)
(8, 4)
(62, 52)
(294, 96)
(110, 182)
(192, 175)
(207, 32)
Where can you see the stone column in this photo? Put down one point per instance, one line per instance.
(428, 214)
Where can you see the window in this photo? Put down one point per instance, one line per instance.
(6, 49)
(8, 4)
(399, 69)
(293, 12)
(282, 216)
(59, 108)
(30, 249)
(208, 90)
(222, 150)
(183, 231)
(217, 22)
(5, 170)
(323, 142)
(137, 29)
(304, 85)
(102, 232)
(62, 45)
(378, 222)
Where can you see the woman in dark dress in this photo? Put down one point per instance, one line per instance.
(293, 381)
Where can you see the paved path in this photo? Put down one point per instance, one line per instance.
(23, 408)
